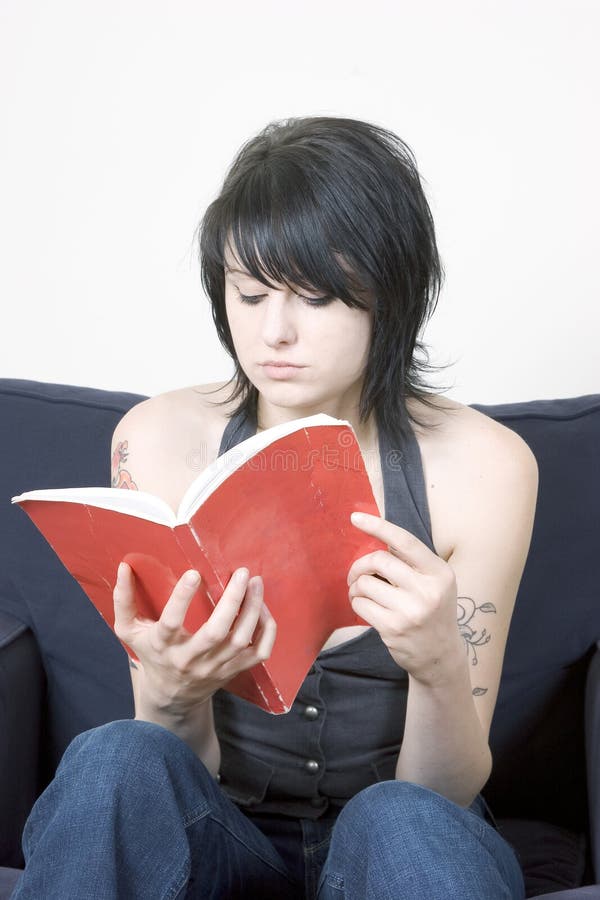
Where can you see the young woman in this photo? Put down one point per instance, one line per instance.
(320, 262)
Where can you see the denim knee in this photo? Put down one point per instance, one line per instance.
(125, 733)
(390, 806)
(117, 749)
(123, 796)
(399, 839)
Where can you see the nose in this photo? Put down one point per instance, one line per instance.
(278, 325)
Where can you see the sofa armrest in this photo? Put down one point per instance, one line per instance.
(22, 689)
(591, 892)
(592, 753)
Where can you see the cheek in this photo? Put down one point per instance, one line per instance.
(235, 321)
(352, 340)
(342, 352)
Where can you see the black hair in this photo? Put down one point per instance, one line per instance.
(334, 205)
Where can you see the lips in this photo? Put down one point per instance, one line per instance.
(281, 372)
(279, 363)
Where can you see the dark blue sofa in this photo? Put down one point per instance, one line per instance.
(62, 670)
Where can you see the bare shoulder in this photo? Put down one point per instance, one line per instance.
(471, 464)
(497, 460)
(163, 443)
(462, 435)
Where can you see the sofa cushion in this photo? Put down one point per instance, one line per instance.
(59, 436)
(8, 881)
(552, 858)
(537, 734)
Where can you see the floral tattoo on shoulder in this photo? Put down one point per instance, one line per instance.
(120, 476)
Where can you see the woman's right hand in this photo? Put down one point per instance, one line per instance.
(179, 670)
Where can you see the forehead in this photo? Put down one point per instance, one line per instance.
(231, 260)
(233, 265)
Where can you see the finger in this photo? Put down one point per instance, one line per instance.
(383, 564)
(262, 642)
(217, 627)
(370, 611)
(244, 633)
(401, 543)
(171, 619)
(123, 601)
(265, 635)
(380, 592)
(244, 627)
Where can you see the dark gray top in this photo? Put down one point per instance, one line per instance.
(345, 726)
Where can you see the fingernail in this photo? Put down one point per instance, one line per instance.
(242, 574)
(192, 577)
(357, 518)
(122, 570)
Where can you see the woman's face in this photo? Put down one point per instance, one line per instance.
(329, 343)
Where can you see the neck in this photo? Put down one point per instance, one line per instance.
(366, 432)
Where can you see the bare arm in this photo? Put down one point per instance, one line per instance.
(433, 614)
(445, 745)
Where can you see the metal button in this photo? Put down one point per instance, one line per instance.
(311, 765)
(311, 712)
(218, 776)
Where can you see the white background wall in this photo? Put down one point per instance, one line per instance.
(119, 119)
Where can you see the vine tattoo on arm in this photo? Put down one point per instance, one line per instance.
(473, 639)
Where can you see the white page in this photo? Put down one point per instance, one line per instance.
(154, 509)
(132, 503)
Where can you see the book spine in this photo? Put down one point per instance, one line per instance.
(189, 544)
(274, 702)
(253, 684)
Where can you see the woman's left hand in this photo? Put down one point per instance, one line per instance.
(414, 607)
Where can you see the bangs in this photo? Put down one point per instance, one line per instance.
(273, 226)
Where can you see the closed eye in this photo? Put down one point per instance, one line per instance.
(311, 301)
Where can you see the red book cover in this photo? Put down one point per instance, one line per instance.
(278, 503)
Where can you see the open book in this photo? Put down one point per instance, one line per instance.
(278, 503)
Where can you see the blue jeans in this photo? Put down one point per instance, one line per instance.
(133, 814)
